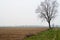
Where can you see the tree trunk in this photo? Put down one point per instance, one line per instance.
(49, 25)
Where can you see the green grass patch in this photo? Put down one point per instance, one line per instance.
(51, 34)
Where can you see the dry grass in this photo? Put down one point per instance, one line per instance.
(18, 33)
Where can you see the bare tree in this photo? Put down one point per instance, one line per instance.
(47, 10)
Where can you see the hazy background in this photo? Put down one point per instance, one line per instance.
(22, 12)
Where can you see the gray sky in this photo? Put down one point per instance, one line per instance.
(22, 12)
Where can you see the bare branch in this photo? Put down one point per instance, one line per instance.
(47, 10)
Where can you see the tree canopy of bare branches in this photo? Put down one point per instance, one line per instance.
(47, 10)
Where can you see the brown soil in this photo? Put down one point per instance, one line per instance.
(18, 33)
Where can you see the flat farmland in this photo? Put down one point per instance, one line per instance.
(17, 33)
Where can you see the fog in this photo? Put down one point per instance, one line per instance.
(22, 12)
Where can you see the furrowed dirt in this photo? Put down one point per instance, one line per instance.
(18, 33)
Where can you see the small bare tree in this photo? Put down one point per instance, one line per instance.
(47, 10)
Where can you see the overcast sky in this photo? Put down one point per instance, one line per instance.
(22, 12)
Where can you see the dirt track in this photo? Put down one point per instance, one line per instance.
(18, 33)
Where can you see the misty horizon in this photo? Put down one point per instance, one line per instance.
(22, 12)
